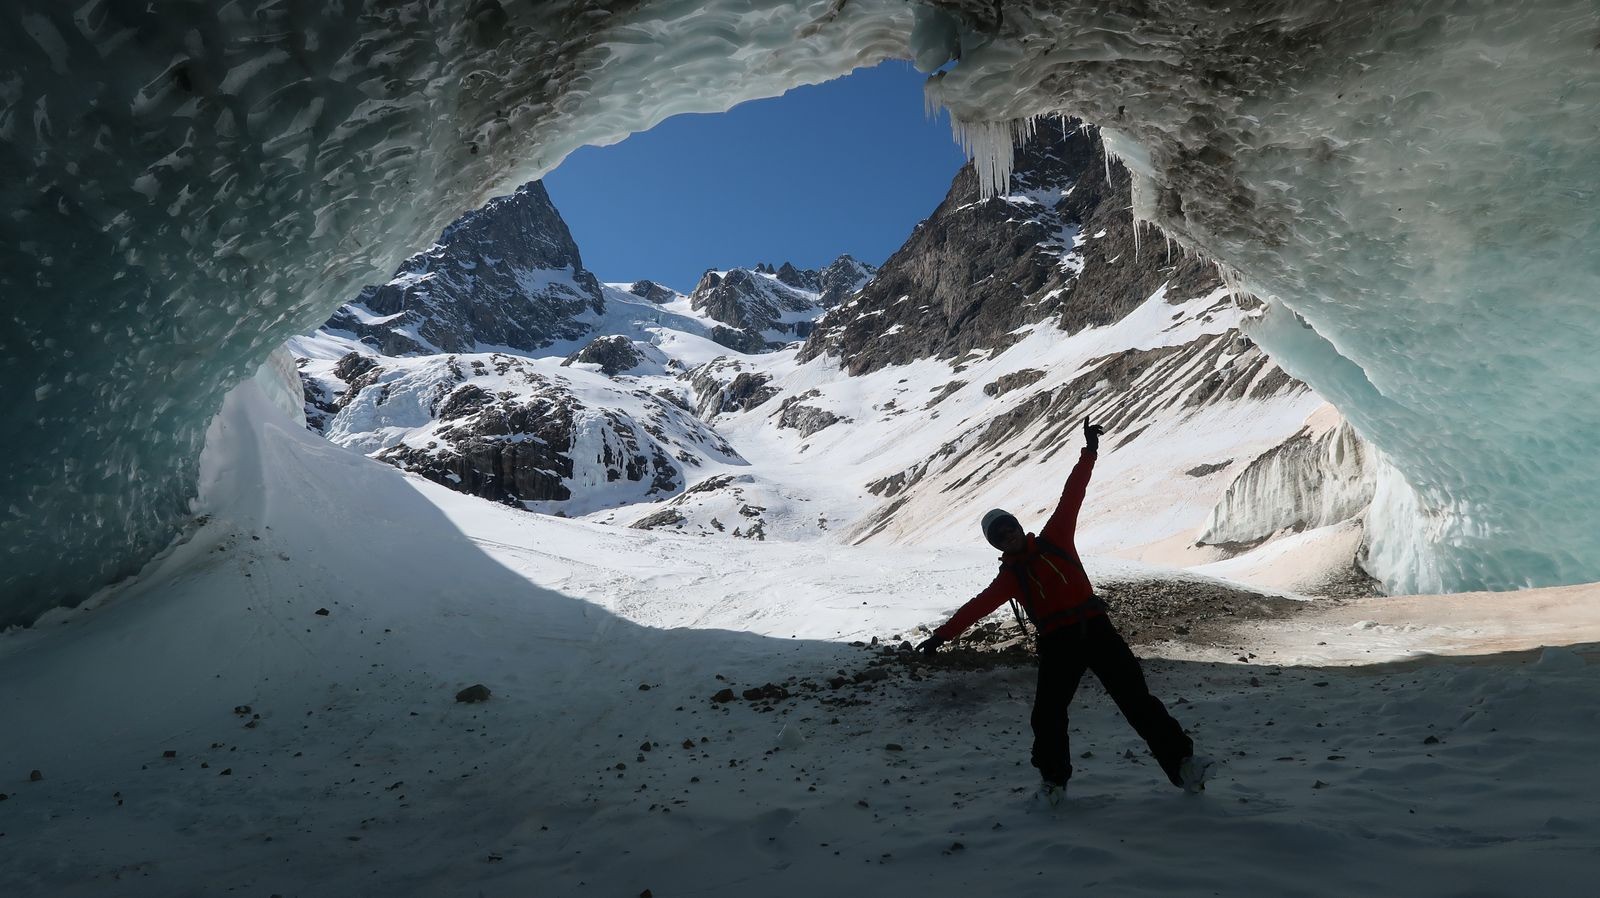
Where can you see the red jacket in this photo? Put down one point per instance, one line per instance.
(1058, 591)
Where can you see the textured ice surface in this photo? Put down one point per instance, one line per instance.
(1321, 475)
(189, 184)
(1415, 187)
(186, 185)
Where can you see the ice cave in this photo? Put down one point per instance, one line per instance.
(1403, 193)
(368, 532)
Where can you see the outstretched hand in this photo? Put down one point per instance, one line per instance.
(931, 645)
(1091, 434)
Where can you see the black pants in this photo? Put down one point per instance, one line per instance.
(1096, 645)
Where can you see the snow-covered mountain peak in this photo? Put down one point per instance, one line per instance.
(504, 276)
(647, 289)
(1059, 247)
(763, 304)
(842, 279)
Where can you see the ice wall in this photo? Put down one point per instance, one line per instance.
(1414, 188)
(1321, 475)
(188, 184)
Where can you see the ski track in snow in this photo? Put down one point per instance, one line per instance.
(363, 777)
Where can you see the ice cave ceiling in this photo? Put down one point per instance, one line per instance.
(1409, 188)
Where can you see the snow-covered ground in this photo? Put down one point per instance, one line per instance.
(323, 754)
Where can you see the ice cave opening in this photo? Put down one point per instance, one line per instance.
(1404, 193)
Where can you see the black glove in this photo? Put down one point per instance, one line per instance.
(931, 645)
(1091, 435)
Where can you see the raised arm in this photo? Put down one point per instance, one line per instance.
(1063, 522)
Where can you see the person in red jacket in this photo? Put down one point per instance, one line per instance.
(1045, 574)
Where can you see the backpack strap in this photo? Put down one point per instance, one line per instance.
(1019, 572)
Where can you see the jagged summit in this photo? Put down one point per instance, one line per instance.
(764, 306)
(1059, 246)
(758, 304)
(506, 275)
(841, 279)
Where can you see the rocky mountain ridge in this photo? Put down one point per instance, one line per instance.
(507, 275)
(1059, 246)
(764, 307)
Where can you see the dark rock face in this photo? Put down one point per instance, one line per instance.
(1059, 247)
(748, 391)
(486, 451)
(321, 403)
(614, 354)
(652, 291)
(353, 365)
(757, 303)
(762, 308)
(806, 279)
(747, 342)
(666, 517)
(502, 430)
(323, 400)
(841, 279)
(507, 274)
(807, 419)
(722, 385)
(1016, 380)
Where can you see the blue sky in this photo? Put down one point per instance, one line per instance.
(847, 166)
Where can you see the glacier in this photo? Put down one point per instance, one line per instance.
(1404, 192)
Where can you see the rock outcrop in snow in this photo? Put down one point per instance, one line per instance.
(726, 385)
(528, 431)
(613, 354)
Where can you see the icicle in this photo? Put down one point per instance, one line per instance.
(1238, 293)
(990, 146)
(1227, 282)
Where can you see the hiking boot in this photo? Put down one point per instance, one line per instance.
(1051, 794)
(1193, 772)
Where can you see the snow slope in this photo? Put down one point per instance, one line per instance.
(914, 419)
(352, 771)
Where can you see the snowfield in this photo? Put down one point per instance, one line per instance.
(323, 753)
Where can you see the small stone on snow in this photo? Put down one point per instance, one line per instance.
(474, 693)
